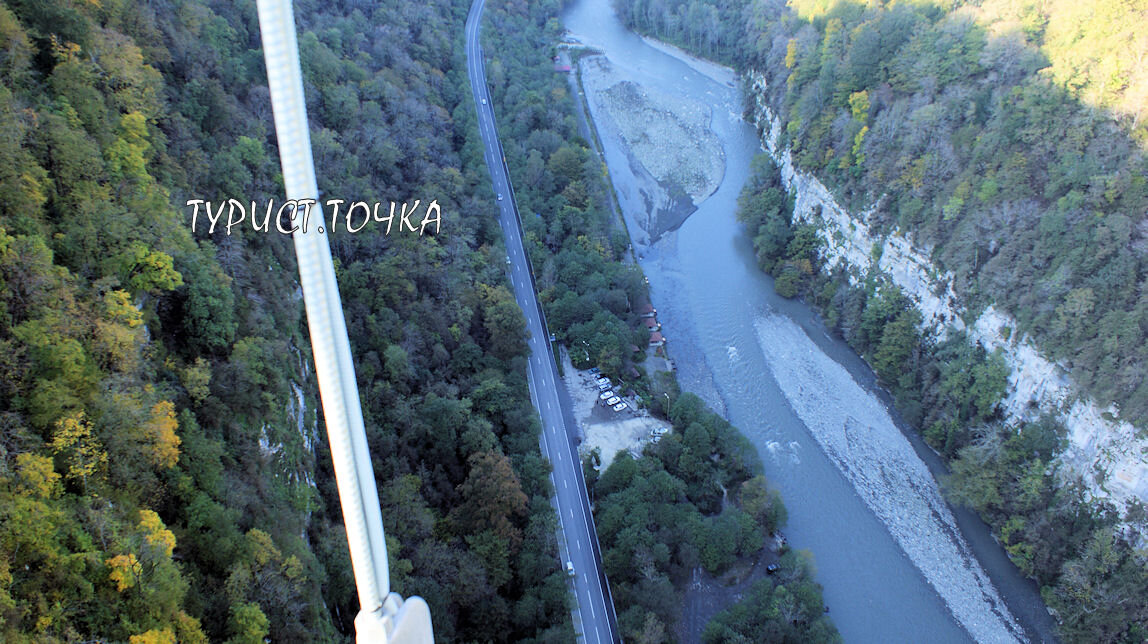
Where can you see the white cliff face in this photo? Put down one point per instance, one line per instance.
(1104, 451)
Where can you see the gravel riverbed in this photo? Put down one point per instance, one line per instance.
(860, 436)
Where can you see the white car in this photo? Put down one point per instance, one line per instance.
(603, 386)
(603, 381)
(613, 400)
(500, 196)
(570, 568)
(620, 406)
(484, 101)
(606, 395)
(656, 439)
(658, 431)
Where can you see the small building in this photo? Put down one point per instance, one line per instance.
(656, 339)
(647, 310)
(651, 323)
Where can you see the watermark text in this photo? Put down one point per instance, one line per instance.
(299, 214)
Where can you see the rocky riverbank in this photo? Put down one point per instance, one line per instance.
(858, 434)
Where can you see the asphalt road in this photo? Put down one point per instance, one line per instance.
(598, 623)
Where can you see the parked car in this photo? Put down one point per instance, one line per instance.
(656, 439)
(603, 386)
(603, 381)
(658, 431)
(620, 406)
(594, 370)
(606, 395)
(613, 400)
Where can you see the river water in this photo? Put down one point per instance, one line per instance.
(896, 564)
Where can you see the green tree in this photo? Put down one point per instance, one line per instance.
(248, 624)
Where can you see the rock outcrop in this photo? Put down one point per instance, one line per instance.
(1108, 454)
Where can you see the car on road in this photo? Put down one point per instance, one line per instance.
(606, 395)
(620, 406)
(508, 259)
(484, 101)
(614, 400)
(500, 196)
(570, 568)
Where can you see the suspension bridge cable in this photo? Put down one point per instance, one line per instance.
(384, 617)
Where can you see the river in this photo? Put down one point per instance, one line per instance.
(897, 564)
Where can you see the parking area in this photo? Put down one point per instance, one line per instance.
(609, 422)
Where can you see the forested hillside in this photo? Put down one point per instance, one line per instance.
(163, 475)
(1008, 138)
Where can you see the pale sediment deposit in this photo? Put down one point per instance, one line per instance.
(857, 433)
(668, 136)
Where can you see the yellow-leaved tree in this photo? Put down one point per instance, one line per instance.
(162, 442)
(37, 475)
(154, 636)
(119, 329)
(125, 571)
(156, 534)
(73, 440)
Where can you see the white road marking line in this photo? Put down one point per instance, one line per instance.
(501, 181)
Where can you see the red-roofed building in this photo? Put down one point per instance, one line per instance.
(656, 339)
